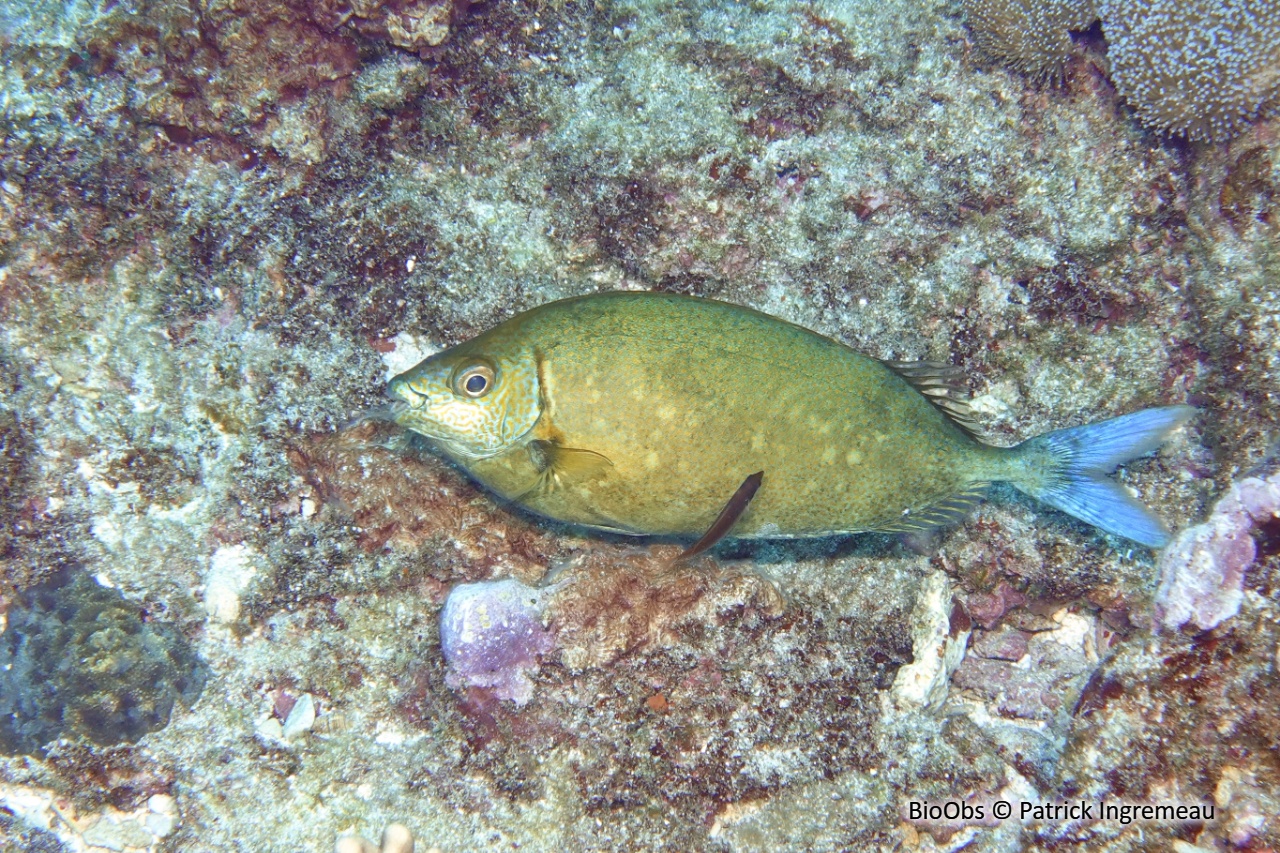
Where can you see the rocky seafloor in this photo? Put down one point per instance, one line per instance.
(224, 224)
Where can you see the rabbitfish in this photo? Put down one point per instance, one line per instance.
(651, 413)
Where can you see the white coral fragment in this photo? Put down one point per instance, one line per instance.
(231, 569)
(396, 838)
(923, 682)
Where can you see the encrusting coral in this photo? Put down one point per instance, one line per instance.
(1029, 35)
(491, 634)
(77, 659)
(1202, 68)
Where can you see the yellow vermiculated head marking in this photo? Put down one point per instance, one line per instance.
(478, 405)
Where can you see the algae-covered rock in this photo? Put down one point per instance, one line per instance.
(77, 659)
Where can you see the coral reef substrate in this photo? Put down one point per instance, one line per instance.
(223, 225)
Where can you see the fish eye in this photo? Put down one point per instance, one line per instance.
(474, 381)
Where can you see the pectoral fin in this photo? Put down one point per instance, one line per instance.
(732, 511)
(557, 464)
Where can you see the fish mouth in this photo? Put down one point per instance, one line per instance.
(389, 411)
(405, 415)
(399, 390)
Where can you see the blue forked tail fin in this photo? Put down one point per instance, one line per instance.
(1068, 469)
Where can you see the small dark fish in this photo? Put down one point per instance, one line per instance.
(724, 522)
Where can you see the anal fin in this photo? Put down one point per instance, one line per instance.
(940, 513)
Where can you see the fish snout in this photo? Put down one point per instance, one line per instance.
(403, 394)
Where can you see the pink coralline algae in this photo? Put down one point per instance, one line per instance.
(1202, 570)
(492, 634)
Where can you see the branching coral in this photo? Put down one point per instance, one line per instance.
(1029, 35)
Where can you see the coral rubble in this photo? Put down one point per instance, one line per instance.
(1202, 572)
(1188, 719)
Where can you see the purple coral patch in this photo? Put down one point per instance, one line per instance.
(1202, 570)
(492, 634)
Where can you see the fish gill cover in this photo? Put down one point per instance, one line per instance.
(224, 225)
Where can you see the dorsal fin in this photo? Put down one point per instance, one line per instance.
(943, 385)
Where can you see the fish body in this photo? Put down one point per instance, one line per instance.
(643, 413)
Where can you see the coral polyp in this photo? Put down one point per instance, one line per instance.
(1029, 35)
(1196, 68)
(1202, 69)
